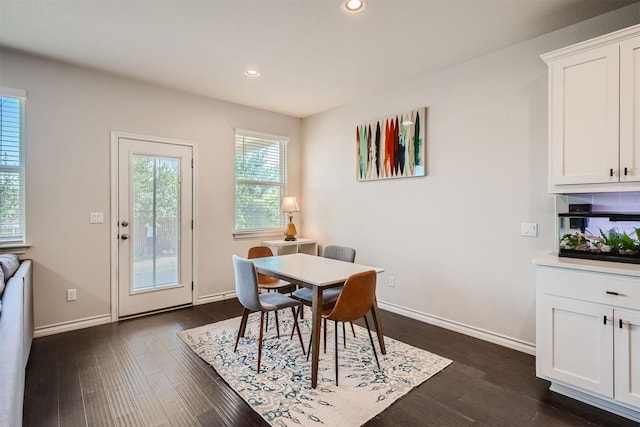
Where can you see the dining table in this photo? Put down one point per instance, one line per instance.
(317, 273)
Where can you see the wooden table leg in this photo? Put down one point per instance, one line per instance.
(376, 319)
(316, 317)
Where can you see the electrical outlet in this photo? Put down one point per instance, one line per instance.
(392, 282)
(71, 294)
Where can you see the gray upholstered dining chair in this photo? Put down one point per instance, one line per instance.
(329, 296)
(246, 278)
(357, 296)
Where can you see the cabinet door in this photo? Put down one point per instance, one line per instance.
(630, 110)
(584, 117)
(575, 344)
(627, 357)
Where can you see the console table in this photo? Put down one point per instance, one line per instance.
(284, 247)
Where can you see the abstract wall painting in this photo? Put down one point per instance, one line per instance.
(393, 147)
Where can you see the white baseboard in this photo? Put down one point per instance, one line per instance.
(57, 328)
(503, 340)
(215, 297)
(602, 403)
(73, 325)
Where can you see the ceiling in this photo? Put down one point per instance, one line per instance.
(312, 56)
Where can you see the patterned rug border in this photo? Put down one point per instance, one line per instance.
(281, 393)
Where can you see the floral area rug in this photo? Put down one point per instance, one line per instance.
(281, 393)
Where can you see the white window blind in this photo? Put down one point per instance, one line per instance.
(12, 214)
(261, 181)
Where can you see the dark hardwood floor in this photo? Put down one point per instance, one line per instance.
(139, 373)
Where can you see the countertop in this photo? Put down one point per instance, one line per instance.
(553, 260)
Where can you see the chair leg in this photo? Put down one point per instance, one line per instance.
(266, 326)
(311, 338)
(336, 344)
(277, 322)
(297, 327)
(353, 329)
(371, 339)
(325, 335)
(344, 336)
(260, 340)
(295, 318)
(241, 329)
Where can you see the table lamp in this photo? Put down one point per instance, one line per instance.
(290, 205)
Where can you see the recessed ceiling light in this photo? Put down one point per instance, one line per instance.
(251, 72)
(353, 6)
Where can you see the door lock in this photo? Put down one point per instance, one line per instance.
(124, 236)
(124, 223)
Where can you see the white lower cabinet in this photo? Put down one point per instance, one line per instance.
(575, 344)
(627, 357)
(588, 337)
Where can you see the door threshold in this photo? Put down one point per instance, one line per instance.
(151, 312)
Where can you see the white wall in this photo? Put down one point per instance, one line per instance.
(70, 113)
(452, 239)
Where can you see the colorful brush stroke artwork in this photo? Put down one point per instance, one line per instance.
(393, 147)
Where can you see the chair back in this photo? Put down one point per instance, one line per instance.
(246, 283)
(262, 252)
(341, 253)
(357, 296)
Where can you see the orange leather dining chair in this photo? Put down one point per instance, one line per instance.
(329, 296)
(356, 299)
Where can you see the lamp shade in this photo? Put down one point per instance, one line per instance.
(290, 204)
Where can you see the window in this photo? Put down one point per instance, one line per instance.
(12, 167)
(261, 182)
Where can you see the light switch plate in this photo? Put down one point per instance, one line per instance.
(529, 229)
(96, 218)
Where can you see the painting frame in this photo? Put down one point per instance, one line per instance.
(392, 147)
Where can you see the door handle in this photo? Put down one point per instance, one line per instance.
(124, 236)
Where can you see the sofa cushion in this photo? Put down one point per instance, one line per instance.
(10, 264)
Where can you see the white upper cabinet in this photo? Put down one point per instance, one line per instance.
(594, 90)
(630, 109)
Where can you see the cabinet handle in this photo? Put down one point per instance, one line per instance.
(604, 320)
(612, 293)
(610, 172)
(620, 320)
(625, 171)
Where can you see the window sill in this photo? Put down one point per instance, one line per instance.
(14, 248)
(239, 235)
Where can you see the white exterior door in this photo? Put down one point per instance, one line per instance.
(155, 235)
(627, 353)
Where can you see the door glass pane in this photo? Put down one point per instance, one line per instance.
(156, 197)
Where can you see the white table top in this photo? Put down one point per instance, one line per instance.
(310, 269)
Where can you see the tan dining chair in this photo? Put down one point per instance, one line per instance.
(246, 278)
(269, 283)
(329, 296)
(356, 299)
(265, 282)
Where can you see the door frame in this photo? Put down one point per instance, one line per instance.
(114, 229)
